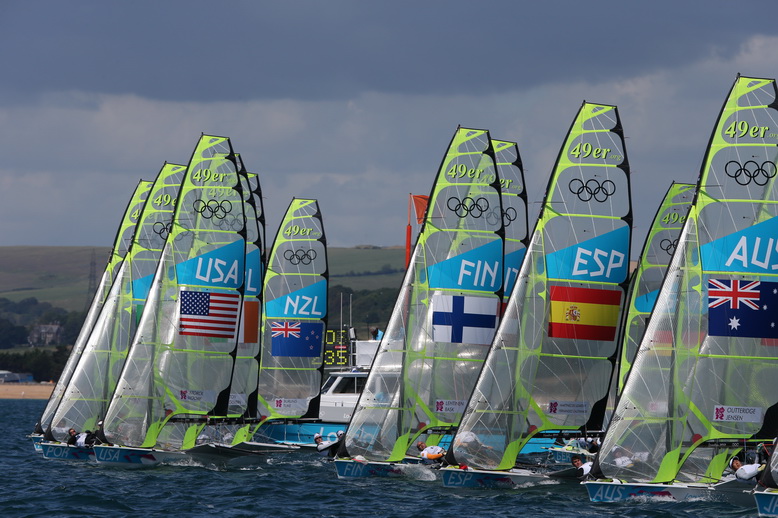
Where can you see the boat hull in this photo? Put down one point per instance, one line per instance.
(124, 457)
(767, 502)
(299, 433)
(62, 451)
(348, 468)
(36, 442)
(732, 492)
(476, 478)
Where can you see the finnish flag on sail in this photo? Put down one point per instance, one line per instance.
(463, 319)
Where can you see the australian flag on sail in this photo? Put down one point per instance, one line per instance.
(743, 308)
(298, 339)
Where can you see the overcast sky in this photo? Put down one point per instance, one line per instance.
(350, 102)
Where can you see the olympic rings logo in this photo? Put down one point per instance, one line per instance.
(509, 215)
(213, 208)
(592, 189)
(230, 223)
(300, 256)
(162, 230)
(468, 206)
(668, 246)
(744, 174)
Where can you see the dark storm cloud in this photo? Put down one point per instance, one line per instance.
(313, 50)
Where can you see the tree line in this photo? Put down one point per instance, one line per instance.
(367, 308)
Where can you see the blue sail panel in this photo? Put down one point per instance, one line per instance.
(752, 250)
(479, 269)
(603, 258)
(220, 268)
(308, 302)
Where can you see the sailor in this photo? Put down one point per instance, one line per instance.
(328, 448)
(430, 453)
(72, 437)
(746, 473)
(583, 467)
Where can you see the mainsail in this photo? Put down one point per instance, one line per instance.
(553, 355)
(514, 209)
(446, 312)
(121, 245)
(658, 250)
(705, 370)
(294, 317)
(180, 365)
(94, 378)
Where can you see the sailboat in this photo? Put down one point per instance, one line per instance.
(702, 386)
(443, 320)
(294, 323)
(644, 285)
(86, 397)
(43, 428)
(552, 358)
(179, 370)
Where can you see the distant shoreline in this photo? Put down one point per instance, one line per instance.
(26, 390)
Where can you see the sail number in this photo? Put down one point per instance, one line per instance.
(585, 150)
(297, 230)
(164, 199)
(206, 175)
(743, 128)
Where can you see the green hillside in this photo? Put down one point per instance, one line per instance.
(60, 275)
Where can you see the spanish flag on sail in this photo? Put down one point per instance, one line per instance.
(584, 313)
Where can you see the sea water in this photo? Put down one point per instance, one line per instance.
(299, 484)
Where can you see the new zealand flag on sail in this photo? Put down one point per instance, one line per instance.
(743, 308)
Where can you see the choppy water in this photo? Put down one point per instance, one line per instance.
(297, 485)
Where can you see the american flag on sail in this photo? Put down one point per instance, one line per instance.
(209, 314)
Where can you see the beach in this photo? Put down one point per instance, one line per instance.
(26, 390)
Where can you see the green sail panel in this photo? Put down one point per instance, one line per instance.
(551, 361)
(294, 315)
(94, 379)
(514, 206)
(121, 245)
(179, 367)
(708, 352)
(446, 313)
